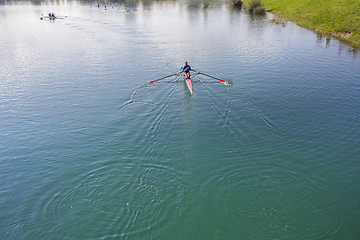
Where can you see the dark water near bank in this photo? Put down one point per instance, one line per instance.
(90, 150)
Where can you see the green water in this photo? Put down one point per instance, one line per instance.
(90, 150)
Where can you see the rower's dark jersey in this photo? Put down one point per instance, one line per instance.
(186, 68)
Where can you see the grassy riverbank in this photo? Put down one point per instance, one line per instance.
(339, 18)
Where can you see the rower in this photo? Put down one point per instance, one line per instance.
(186, 69)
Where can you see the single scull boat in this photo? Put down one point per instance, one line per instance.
(51, 17)
(189, 85)
(188, 80)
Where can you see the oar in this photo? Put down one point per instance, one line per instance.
(223, 81)
(153, 81)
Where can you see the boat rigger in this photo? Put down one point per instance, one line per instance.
(188, 79)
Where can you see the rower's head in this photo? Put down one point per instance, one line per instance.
(185, 63)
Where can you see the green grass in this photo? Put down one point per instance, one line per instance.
(339, 18)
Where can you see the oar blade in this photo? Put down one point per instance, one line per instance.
(152, 81)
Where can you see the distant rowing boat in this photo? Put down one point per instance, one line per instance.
(51, 17)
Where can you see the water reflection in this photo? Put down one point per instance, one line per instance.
(201, 4)
(323, 39)
(326, 40)
(194, 9)
(128, 3)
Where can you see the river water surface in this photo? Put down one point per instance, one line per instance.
(89, 149)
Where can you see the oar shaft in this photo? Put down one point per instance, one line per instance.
(163, 77)
(211, 76)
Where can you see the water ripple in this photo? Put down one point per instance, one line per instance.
(272, 197)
